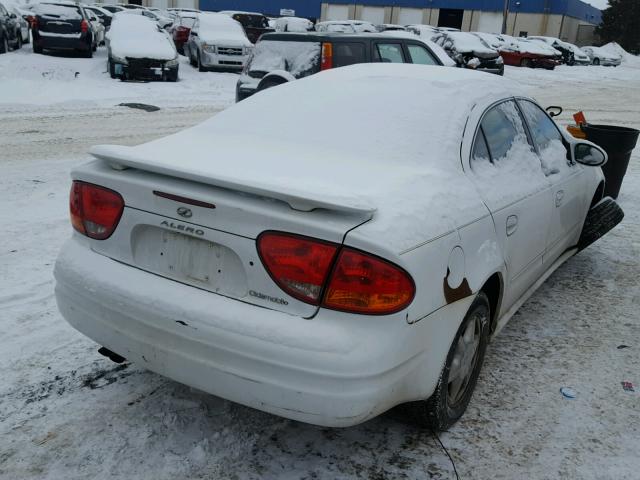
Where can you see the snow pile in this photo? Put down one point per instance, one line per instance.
(614, 48)
(217, 29)
(136, 36)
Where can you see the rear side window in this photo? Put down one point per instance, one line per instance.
(503, 130)
(388, 53)
(348, 53)
(300, 59)
(421, 55)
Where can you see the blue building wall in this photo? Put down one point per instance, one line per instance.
(311, 8)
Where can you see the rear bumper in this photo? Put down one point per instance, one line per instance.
(334, 370)
(62, 43)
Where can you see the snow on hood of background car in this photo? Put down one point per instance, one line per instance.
(137, 36)
(218, 27)
(467, 42)
(368, 137)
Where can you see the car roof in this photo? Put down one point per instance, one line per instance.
(327, 36)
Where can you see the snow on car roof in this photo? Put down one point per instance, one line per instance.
(137, 36)
(355, 136)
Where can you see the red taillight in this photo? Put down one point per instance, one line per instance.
(345, 278)
(326, 61)
(299, 265)
(363, 283)
(95, 211)
(84, 26)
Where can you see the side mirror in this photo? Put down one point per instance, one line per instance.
(589, 155)
(553, 110)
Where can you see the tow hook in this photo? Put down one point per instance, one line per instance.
(114, 357)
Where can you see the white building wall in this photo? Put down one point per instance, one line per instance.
(409, 16)
(337, 12)
(488, 22)
(374, 15)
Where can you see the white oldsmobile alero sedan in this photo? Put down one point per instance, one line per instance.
(321, 264)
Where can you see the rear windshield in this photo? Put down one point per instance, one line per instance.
(251, 21)
(187, 22)
(66, 12)
(298, 58)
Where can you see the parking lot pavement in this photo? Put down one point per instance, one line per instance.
(66, 412)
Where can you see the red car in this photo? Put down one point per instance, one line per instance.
(181, 28)
(522, 52)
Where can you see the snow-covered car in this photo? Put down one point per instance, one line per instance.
(521, 52)
(97, 26)
(217, 41)
(327, 270)
(21, 18)
(109, 8)
(10, 34)
(181, 28)
(293, 24)
(599, 56)
(162, 21)
(571, 54)
(63, 26)
(103, 14)
(254, 24)
(284, 57)
(139, 49)
(470, 51)
(390, 27)
(336, 26)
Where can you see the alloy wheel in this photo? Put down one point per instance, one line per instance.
(465, 359)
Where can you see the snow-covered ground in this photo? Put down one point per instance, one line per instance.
(68, 413)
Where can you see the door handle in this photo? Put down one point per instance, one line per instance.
(512, 224)
(559, 197)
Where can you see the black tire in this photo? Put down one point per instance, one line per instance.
(36, 48)
(199, 63)
(89, 52)
(270, 82)
(4, 45)
(172, 75)
(18, 41)
(596, 61)
(440, 411)
(112, 69)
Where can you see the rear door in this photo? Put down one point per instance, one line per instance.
(510, 180)
(567, 179)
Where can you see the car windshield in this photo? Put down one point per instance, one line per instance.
(187, 22)
(298, 58)
(251, 21)
(67, 12)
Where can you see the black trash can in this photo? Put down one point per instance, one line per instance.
(618, 142)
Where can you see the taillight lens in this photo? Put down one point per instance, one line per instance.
(335, 277)
(326, 61)
(363, 283)
(95, 211)
(299, 265)
(84, 26)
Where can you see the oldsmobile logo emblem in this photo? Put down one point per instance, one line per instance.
(185, 212)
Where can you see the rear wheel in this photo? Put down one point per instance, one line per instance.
(19, 41)
(462, 367)
(37, 48)
(201, 68)
(112, 68)
(4, 45)
(269, 82)
(596, 61)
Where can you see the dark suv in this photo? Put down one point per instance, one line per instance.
(281, 57)
(62, 26)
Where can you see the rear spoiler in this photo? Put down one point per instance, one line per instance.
(120, 158)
